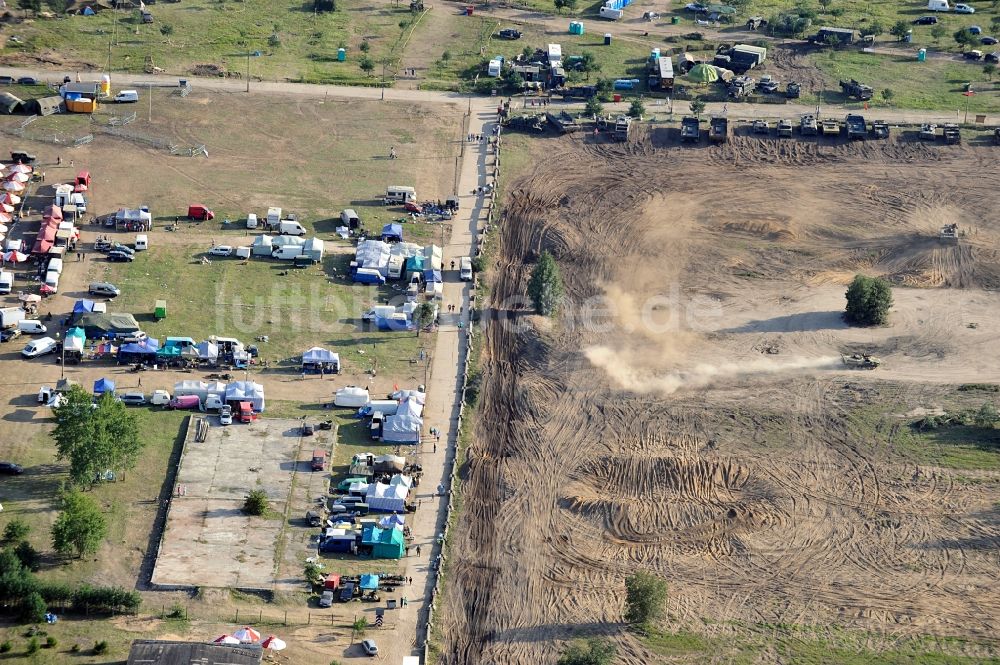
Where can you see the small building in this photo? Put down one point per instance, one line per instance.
(385, 543)
(85, 89)
(164, 652)
(45, 105)
(9, 104)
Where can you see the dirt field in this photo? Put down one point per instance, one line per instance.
(694, 419)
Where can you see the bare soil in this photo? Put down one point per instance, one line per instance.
(703, 427)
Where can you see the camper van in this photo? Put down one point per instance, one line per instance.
(273, 217)
(55, 265)
(350, 219)
(6, 282)
(938, 5)
(400, 194)
(612, 14)
(252, 221)
(288, 227)
(494, 68)
(141, 242)
(31, 326)
(287, 252)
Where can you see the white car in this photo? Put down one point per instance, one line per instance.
(221, 250)
(964, 9)
(226, 415)
(39, 347)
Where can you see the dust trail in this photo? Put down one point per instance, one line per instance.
(623, 370)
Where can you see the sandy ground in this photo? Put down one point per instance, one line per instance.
(689, 415)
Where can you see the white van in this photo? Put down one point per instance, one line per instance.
(494, 68)
(400, 194)
(52, 280)
(141, 242)
(465, 269)
(127, 96)
(290, 228)
(55, 265)
(613, 14)
(938, 5)
(31, 326)
(6, 282)
(287, 252)
(252, 220)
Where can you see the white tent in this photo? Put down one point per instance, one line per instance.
(351, 396)
(216, 388)
(386, 498)
(402, 428)
(373, 254)
(208, 351)
(190, 387)
(262, 245)
(317, 356)
(246, 391)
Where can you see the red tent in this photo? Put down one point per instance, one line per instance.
(54, 212)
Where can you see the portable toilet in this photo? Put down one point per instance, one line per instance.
(607, 39)
(675, 20)
(575, 28)
(922, 55)
(341, 54)
(160, 310)
(654, 54)
(908, 37)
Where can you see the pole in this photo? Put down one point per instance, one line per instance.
(383, 80)
(248, 70)
(149, 93)
(968, 98)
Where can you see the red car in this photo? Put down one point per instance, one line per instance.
(409, 206)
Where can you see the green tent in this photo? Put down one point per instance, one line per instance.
(385, 543)
(703, 74)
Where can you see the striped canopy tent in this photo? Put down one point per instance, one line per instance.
(12, 199)
(21, 168)
(13, 186)
(19, 177)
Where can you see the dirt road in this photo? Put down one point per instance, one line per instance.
(695, 420)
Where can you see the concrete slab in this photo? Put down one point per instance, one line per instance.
(208, 540)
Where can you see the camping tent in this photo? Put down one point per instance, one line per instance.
(191, 387)
(373, 254)
(369, 582)
(246, 391)
(703, 73)
(392, 232)
(105, 325)
(318, 358)
(82, 306)
(102, 386)
(139, 351)
(385, 543)
(384, 498)
(390, 521)
(208, 351)
(402, 428)
(262, 245)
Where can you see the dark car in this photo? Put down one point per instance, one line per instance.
(9, 334)
(27, 80)
(120, 256)
(11, 469)
(509, 33)
(326, 600)
(6, 80)
(992, 57)
(926, 20)
(347, 592)
(988, 41)
(973, 55)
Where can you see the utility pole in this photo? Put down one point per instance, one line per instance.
(383, 79)
(248, 69)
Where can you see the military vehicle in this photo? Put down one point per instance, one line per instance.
(880, 129)
(928, 131)
(760, 127)
(949, 234)
(718, 130)
(857, 129)
(784, 128)
(807, 125)
(793, 90)
(830, 127)
(951, 134)
(859, 91)
(690, 130)
(861, 361)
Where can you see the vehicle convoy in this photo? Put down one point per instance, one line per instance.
(861, 361)
(718, 130)
(857, 129)
(857, 90)
(690, 130)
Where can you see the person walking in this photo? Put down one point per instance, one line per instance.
(392, 152)
(418, 550)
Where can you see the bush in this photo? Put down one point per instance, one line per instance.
(6, 646)
(478, 263)
(29, 556)
(256, 503)
(100, 647)
(986, 417)
(75, 648)
(545, 287)
(594, 651)
(51, 642)
(33, 646)
(593, 107)
(16, 530)
(868, 301)
(33, 608)
(645, 598)
(166, 29)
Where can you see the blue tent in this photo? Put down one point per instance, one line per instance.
(82, 306)
(432, 276)
(102, 386)
(392, 233)
(139, 350)
(369, 582)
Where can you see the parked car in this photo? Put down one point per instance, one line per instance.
(9, 334)
(184, 402)
(964, 9)
(988, 41)
(509, 33)
(118, 256)
(975, 30)
(6, 80)
(132, 399)
(973, 55)
(226, 415)
(221, 250)
(926, 20)
(992, 57)
(11, 469)
(104, 289)
(347, 592)
(326, 600)
(695, 7)
(27, 80)
(370, 647)
(39, 347)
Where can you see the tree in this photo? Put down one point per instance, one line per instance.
(899, 30)
(81, 525)
(875, 29)
(95, 440)
(593, 107)
(887, 95)
(166, 29)
(594, 651)
(986, 417)
(30, 5)
(58, 6)
(28, 556)
(564, 4)
(636, 108)
(545, 287)
(588, 63)
(962, 37)
(868, 301)
(313, 573)
(360, 625)
(825, 4)
(423, 316)
(645, 598)
(365, 46)
(256, 503)
(989, 70)
(938, 31)
(16, 530)
(33, 608)
(995, 23)
(697, 107)
(604, 88)
(366, 65)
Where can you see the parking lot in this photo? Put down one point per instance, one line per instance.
(209, 541)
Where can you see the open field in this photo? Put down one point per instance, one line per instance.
(693, 418)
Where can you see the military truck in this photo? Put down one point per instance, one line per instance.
(741, 86)
(784, 128)
(718, 130)
(880, 129)
(563, 122)
(830, 127)
(928, 131)
(580, 92)
(690, 130)
(807, 125)
(951, 134)
(760, 127)
(949, 234)
(857, 128)
(828, 36)
(623, 124)
(861, 361)
(793, 90)
(858, 91)
(526, 123)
